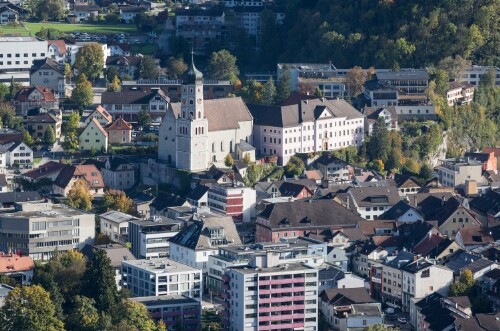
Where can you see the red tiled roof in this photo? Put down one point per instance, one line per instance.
(492, 149)
(104, 113)
(61, 45)
(91, 174)
(25, 92)
(11, 263)
(119, 124)
(44, 170)
(313, 174)
(426, 246)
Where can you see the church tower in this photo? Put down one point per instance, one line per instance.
(192, 125)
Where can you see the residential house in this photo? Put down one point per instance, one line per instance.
(169, 276)
(334, 277)
(128, 104)
(454, 216)
(437, 312)
(367, 257)
(10, 136)
(128, 13)
(10, 13)
(34, 97)
(48, 73)
(16, 155)
(101, 115)
(302, 218)
(84, 13)
(33, 221)
(174, 310)
(198, 197)
(70, 174)
(474, 236)
(334, 169)
(496, 151)
(93, 137)
(114, 224)
(391, 278)
(310, 125)
(116, 254)
(202, 238)
(459, 93)
(371, 202)
(127, 66)
(454, 172)
(479, 267)
(150, 238)
(430, 204)
(49, 170)
(119, 132)
(119, 49)
(386, 114)
(296, 188)
(163, 201)
(489, 160)
(491, 285)
(37, 125)
(403, 212)
(339, 308)
(421, 278)
(486, 207)
(17, 267)
(118, 174)
(57, 50)
(406, 184)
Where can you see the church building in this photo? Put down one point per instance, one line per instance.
(197, 133)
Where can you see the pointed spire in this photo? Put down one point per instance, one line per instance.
(193, 75)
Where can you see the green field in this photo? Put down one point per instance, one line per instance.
(67, 27)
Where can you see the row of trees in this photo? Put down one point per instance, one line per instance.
(70, 292)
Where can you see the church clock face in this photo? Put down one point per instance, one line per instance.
(199, 101)
(183, 101)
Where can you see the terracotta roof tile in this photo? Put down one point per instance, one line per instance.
(61, 45)
(119, 124)
(12, 263)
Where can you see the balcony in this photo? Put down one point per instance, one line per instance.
(281, 326)
(278, 290)
(287, 307)
(280, 317)
(226, 287)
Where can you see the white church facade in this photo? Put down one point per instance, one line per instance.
(197, 133)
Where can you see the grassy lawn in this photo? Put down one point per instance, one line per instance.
(89, 28)
(10, 29)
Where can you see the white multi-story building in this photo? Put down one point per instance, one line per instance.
(16, 154)
(273, 298)
(17, 55)
(161, 276)
(150, 239)
(311, 125)
(421, 278)
(37, 229)
(371, 202)
(473, 74)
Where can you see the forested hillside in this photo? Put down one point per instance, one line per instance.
(384, 33)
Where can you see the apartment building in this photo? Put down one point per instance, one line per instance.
(297, 250)
(334, 169)
(371, 202)
(37, 229)
(248, 18)
(278, 297)
(309, 125)
(118, 174)
(421, 278)
(16, 155)
(19, 53)
(175, 310)
(200, 27)
(150, 239)
(459, 93)
(235, 200)
(454, 172)
(161, 276)
(48, 73)
(114, 224)
(391, 278)
(473, 74)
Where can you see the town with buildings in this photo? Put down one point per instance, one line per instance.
(207, 165)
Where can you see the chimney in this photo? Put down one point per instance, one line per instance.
(443, 200)
(348, 203)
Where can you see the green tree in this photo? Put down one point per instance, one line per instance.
(143, 118)
(111, 73)
(222, 65)
(295, 166)
(73, 121)
(29, 308)
(228, 160)
(355, 79)
(442, 82)
(99, 282)
(68, 71)
(50, 9)
(464, 284)
(246, 158)
(117, 200)
(176, 67)
(4, 92)
(454, 66)
(148, 68)
(90, 60)
(70, 142)
(136, 315)
(79, 196)
(115, 84)
(82, 95)
(269, 92)
(49, 136)
(161, 326)
(84, 316)
(379, 144)
(284, 88)
(379, 327)
(425, 172)
(27, 139)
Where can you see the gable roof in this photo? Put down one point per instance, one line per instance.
(119, 124)
(116, 253)
(46, 63)
(41, 118)
(313, 174)
(292, 189)
(120, 60)
(309, 213)
(487, 204)
(429, 204)
(197, 234)
(164, 200)
(103, 112)
(131, 97)
(89, 172)
(475, 235)
(98, 125)
(451, 206)
(374, 195)
(346, 296)
(46, 169)
(327, 158)
(60, 44)
(396, 211)
(115, 162)
(198, 192)
(405, 181)
(15, 263)
(25, 92)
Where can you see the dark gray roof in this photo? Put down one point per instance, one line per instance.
(304, 111)
(309, 214)
(131, 97)
(346, 296)
(396, 211)
(330, 273)
(197, 234)
(46, 63)
(403, 74)
(459, 260)
(401, 260)
(374, 196)
(11, 197)
(116, 253)
(164, 200)
(417, 266)
(197, 193)
(478, 265)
